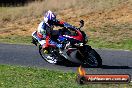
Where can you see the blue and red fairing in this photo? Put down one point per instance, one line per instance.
(78, 36)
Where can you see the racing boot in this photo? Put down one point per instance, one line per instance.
(34, 41)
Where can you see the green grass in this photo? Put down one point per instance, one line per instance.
(116, 36)
(27, 77)
(99, 43)
(15, 39)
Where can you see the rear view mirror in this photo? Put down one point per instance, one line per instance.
(81, 23)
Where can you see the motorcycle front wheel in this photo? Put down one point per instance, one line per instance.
(93, 59)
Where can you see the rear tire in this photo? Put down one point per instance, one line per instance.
(53, 59)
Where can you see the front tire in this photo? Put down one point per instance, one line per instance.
(92, 59)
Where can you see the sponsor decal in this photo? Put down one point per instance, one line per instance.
(83, 78)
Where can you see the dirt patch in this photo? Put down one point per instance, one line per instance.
(111, 24)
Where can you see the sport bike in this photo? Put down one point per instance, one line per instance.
(75, 48)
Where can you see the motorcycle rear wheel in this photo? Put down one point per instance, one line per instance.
(49, 57)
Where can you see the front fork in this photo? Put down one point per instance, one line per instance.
(82, 53)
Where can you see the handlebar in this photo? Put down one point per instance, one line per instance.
(66, 25)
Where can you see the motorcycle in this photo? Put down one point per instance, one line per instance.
(75, 47)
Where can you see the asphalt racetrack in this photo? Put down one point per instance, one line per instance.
(114, 61)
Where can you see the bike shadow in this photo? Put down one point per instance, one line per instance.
(110, 67)
(102, 67)
(68, 64)
(115, 67)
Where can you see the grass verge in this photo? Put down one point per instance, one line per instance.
(94, 42)
(99, 43)
(27, 77)
(16, 39)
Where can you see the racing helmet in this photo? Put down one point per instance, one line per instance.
(49, 18)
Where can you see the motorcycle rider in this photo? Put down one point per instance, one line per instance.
(45, 28)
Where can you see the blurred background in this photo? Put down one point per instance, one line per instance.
(108, 23)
